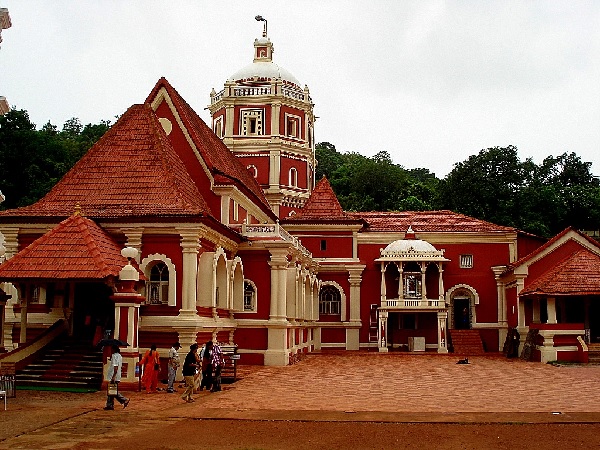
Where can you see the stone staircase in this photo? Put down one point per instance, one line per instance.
(594, 353)
(66, 365)
(466, 342)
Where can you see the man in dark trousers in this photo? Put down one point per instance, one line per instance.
(190, 366)
(113, 376)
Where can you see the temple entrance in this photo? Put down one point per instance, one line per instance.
(94, 311)
(461, 312)
(594, 320)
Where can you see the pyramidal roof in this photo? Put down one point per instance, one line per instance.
(223, 165)
(322, 205)
(77, 248)
(132, 170)
(577, 274)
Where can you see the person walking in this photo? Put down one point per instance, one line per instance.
(113, 376)
(207, 369)
(189, 370)
(151, 364)
(174, 363)
(218, 362)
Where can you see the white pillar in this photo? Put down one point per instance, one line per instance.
(551, 307)
(521, 304)
(134, 239)
(440, 282)
(442, 316)
(382, 331)
(352, 334)
(423, 283)
(383, 293)
(190, 243)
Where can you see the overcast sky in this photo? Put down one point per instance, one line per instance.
(431, 82)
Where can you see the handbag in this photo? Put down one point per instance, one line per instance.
(157, 367)
(113, 389)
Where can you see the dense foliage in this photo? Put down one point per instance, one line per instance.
(493, 185)
(32, 161)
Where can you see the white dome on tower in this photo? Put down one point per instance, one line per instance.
(264, 71)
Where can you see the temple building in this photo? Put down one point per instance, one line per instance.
(172, 230)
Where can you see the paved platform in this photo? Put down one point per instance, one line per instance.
(361, 386)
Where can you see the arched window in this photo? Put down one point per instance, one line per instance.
(253, 170)
(249, 296)
(293, 177)
(330, 300)
(157, 287)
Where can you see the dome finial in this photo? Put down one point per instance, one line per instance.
(260, 18)
(410, 234)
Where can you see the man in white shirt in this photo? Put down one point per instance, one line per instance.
(113, 376)
(174, 363)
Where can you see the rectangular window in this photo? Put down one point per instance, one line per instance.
(251, 122)
(466, 261)
(323, 245)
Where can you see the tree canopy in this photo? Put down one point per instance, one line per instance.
(33, 161)
(493, 185)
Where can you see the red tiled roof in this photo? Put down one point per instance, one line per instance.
(132, 170)
(76, 248)
(426, 221)
(322, 204)
(577, 274)
(549, 244)
(224, 166)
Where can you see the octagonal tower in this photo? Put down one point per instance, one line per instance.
(266, 119)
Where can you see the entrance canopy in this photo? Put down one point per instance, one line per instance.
(76, 249)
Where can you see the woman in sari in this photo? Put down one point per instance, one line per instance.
(151, 364)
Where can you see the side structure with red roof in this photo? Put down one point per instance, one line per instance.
(553, 296)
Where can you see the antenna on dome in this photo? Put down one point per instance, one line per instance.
(260, 18)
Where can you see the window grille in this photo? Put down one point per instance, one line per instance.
(412, 285)
(249, 296)
(157, 288)
(466, 261)
(330, 300)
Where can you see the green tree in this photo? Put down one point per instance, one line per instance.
(33, 161)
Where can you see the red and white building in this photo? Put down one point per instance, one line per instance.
(229, 238)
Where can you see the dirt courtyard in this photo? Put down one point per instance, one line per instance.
(360, 400)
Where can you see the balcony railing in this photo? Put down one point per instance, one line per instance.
(268, 230)
(421, 303)
(258, 91)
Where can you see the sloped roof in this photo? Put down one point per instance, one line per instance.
(577, 274)
(548, 244)
(224, 166)
(322, 205)
(426, 221)
(132, 170)
(77, 248)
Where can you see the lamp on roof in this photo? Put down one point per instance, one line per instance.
(129, 273)
(260, 18)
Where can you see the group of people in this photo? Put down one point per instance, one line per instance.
(200, 370)
(205, 366)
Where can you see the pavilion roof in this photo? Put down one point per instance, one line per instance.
(132, 170)
(77, 248)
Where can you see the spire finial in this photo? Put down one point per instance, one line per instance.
(260, 18)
